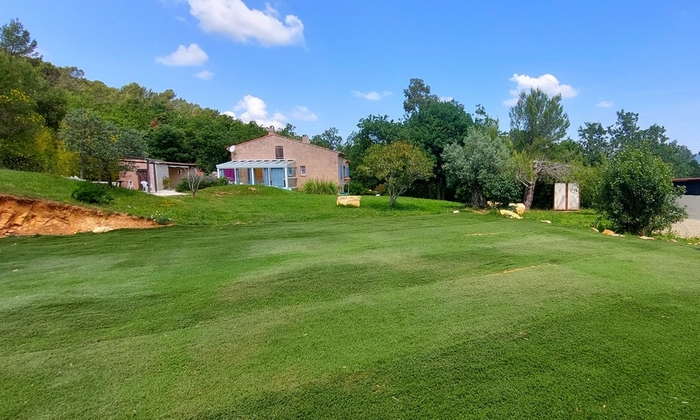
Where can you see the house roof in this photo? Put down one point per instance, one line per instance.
(163, 162)
(273, 134)
(685, 179)
(256, 163)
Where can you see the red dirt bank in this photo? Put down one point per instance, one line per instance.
(26, 216)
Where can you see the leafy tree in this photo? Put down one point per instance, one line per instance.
(289, 131)
(19, 127)
(482, 166)
(16, 41)
(636, 192)
(594, 141)
(416, 96)
(329, 139)
(537, 123)
(100, 145)
(603, 143)
(435, 125)
(397, 165)
(373, 130)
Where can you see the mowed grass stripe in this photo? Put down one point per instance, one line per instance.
(413, 317)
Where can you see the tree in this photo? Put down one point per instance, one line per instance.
(194, 178)
(603, 143)
(329, 139)
(481, 167)
(100, 145)
(435, 125)
(537, 122)
(397, 165)
(16, 41)
(637, 193)
(417, 95)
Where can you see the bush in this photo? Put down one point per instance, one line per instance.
(637, 194)
(318, 186)
(88, 192)
(207, 181)
(357, 188)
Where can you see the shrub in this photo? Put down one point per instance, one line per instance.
(207, 181)
(318, 186)
(88, 192)
(637, 194)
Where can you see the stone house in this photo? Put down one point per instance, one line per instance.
(279, 161)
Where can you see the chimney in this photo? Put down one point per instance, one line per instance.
(305, 139)
(271, 130)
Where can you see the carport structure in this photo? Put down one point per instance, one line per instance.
(280, 173)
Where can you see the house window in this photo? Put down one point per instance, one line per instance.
(279, 152)
(302, 168)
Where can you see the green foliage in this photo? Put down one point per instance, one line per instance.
(483, 167)
(92, 193)
(600, 144)
(16, 41)
(329, 139)
(435, 125)
(537, 122)
(319, 186)
(636, 193)
(206, 182)
(397, 165)
(100, 145)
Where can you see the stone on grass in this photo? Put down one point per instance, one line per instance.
(510, 214)
(348, 200)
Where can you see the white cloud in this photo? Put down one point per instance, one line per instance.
(303, 113)
(235, 20)
(185, 56)
(446, 99)
(604, 104)
(229, 113)
(547, 83)
(205, 75)
(371, 96)
(255, 109)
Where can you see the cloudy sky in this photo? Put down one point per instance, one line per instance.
(318, 64)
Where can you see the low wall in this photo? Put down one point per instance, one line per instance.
(690, 227)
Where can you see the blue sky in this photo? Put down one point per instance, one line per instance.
(318, 64)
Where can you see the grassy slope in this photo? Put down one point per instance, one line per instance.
(429, 316)
(221, 205)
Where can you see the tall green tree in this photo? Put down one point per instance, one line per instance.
(416, 96)
(398, 165)
(601, 143)
(537, 122)
(329, 139)
(99, 144)
(483, 167)
(435, 125)
(16, 41)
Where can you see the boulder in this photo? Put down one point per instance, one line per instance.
(510, 214)
(517, 207)
(348, 200)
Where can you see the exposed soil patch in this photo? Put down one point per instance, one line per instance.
(26, 216)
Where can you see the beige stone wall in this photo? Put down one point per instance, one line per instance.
(320, 163)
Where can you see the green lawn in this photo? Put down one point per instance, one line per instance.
(410, 316)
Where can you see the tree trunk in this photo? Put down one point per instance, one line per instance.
(392, 200)
(478, 200)
(529, 194)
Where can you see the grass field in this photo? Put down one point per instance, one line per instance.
(334, 314)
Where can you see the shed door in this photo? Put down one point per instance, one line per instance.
(277, 175)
